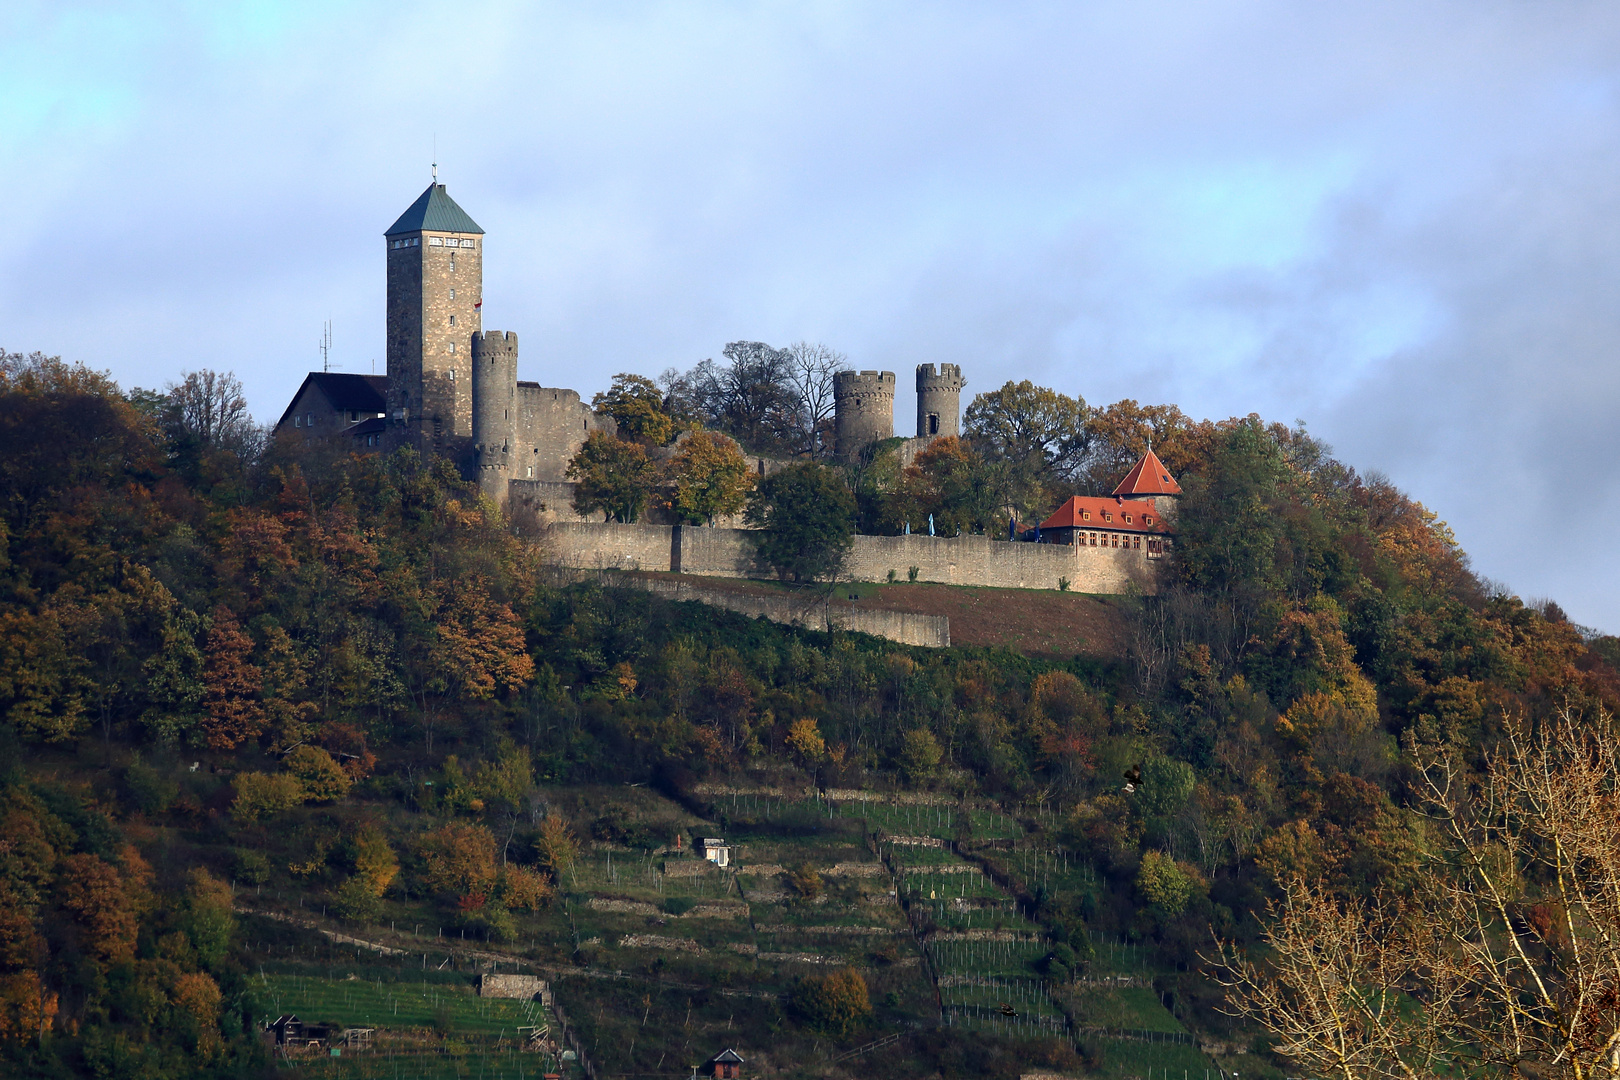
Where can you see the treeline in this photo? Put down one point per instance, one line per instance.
(357, 632)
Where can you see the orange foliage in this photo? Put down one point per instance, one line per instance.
(232, 712)
(94, 893)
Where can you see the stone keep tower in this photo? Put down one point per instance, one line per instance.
(494, 411)
(863, 410)
(939, 400)
(435, 287)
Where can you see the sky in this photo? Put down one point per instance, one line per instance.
(1396, 222)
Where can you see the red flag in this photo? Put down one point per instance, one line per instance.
(478, 305)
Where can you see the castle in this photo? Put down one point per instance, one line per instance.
(452, 387)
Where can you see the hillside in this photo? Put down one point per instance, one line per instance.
(306, 734)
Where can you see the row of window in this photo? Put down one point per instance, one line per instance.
(433, 241)
(1115, 540)
(1147, 519)
(355, 416)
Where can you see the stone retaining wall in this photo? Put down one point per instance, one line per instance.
(957, 560)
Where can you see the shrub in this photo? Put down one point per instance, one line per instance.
(520, 887)
(836, 1004)
(262, 795)
(919, 754)
(805, 881)
(1167, 885)
(355, 900)
(556, 847)
(321, 777)
(458, 859)
(250, 867)
(149, 790)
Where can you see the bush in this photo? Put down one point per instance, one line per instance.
(321, 777)
(250, 867)
(149, 790)
(919, 755)
(806, 882)
(836, 1004)
(1167, 885)
(520, 887)
(262, 795)
(355, 900)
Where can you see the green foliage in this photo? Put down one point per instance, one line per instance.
(1164, 884)
(612, 477)
(920, 755)
(637, 407)
(805, 518)
(262, 795)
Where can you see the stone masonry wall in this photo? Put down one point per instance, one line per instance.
(552, 424)
(962, 560)
(930, 631)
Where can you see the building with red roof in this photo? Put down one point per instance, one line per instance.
(1133, 517)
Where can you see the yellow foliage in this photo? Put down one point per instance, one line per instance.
(805, 739)
(521, 887)
(260, 795)
(319, 775)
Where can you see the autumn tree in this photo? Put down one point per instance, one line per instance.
(95, 895)
(556, 848)
(953, 484)
(459, 859)
(613, 477)
(637, 406)
(210, 407)
(232, 713)
(1503, 959)
(837, 1003)
(711, 478)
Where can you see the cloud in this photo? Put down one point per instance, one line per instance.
(1393, 220)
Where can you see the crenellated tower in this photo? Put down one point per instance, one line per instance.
(939, 400)
(863, 410)
(494, 410)
(435, 289)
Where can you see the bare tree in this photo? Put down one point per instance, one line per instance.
(1506, 960)
(810, 370)
(210, 407)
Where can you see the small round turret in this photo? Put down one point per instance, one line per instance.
(939, 400)
(863, 410)
(494, 409)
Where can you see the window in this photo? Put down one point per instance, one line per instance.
(1147, 519)
(452, 294)
(452, 320)
(452, 261)
(435, 242)
(1085, 515)
(309, 419)
(452, 370)
(933, 423)
(1136, 543)
(452, 349)
(1127, 516)
(298, 421)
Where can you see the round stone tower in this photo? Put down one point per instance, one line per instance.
(863, 410)
(939, 400)
(494, 410)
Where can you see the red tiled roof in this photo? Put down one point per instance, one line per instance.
(1150, 477)
(1116, 514)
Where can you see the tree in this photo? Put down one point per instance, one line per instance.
(805, 521)
(920, 754)
(210, 407)
(612, 476)
(319, 775)
(556, 848)
(1504, 960)
(804, 739)
(460, 859)
(1042, 431)
(637, 407)
(809, 373)
(232, 713)
(260, 795)
(752, 399)
(836, 1003)
(711, 477)
(94, 893)
(952, 482)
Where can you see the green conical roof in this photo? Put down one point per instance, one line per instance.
(434, 211)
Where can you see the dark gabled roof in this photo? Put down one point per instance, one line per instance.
(434, 211)
(725, 1057)
(362, 393)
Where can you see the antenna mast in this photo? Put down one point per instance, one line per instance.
(326, 346)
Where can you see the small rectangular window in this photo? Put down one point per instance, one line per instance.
(452, 320)
(298, 421)
(435, 242)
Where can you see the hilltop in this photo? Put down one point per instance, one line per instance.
(286, 739)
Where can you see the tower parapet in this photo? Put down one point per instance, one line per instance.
(494, 410)
(939, 400)
(863, 410)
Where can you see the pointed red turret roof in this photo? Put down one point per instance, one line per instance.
(1150, 477)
